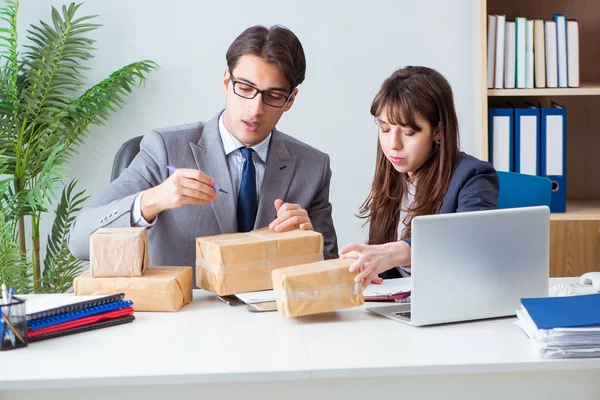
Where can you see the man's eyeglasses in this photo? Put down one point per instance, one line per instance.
(269, 97)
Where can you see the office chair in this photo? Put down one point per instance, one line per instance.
(125, 156)
(521, 190)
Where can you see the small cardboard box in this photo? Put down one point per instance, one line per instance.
(118, 252)
(159, 289)
(316, 288)
(243, 262)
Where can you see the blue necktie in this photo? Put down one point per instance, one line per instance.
(247, 202)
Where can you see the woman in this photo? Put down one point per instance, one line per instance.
(420, 171)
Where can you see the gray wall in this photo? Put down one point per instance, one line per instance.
(351, 47)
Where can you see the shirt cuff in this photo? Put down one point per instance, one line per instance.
(137, 219)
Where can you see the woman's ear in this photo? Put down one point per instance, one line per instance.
(437, 133)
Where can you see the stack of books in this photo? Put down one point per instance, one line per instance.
(562, 327)
(527, 53)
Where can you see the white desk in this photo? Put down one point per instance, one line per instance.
(212, 349)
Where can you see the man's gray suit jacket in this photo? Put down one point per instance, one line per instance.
(295, 173)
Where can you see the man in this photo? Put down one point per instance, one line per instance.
(266, 177)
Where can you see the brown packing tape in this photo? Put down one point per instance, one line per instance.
(243, 262)
(316, 288)
(159, 289)
(119, 252)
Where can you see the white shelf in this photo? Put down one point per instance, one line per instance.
(586, 89)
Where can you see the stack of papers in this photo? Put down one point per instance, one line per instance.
(562, 327)
(390, 289)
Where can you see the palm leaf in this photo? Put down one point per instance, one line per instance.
(53, 63)
(9, 65)
(60, 267)
(14, 271)
(96, 104)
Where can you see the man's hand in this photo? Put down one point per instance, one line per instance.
(184, 186)
(290, 216)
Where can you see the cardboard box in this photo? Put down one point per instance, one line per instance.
(118, 252)
(159, 289)
(243, 262)
(316, 288)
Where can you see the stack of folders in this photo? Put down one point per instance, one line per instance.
(562, 327)
(531, 140)
(54, 316)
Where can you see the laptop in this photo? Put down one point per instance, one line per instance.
(475, 265)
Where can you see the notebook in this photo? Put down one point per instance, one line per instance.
(88, 320)
(47, 306)
(564, 312)
(389, 290)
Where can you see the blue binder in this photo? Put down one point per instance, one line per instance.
(564, 312)
(527, 141)
(501, 138)
(554, 160)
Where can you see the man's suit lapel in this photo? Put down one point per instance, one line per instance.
(278, 176)
(210, 159)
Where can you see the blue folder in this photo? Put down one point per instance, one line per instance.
(564, 312)
(528, 147)
(501, 138)
(554, 159)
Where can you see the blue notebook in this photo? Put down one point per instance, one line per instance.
(73, 315)
(564, 312)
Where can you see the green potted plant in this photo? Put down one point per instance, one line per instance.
(44, 117)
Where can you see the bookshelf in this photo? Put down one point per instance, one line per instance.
(585, 89)
(575, 235)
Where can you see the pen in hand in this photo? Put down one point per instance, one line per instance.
(216, 187)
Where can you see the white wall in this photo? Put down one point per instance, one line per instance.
(351, 47)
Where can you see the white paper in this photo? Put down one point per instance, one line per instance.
(388, 287)
(35, 304)
(262, 296)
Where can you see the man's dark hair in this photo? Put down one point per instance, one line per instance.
(276, 45)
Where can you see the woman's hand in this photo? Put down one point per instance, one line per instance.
(371, 260)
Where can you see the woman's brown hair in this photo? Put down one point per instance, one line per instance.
(408, 93)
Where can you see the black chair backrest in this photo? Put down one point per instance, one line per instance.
(125, 156)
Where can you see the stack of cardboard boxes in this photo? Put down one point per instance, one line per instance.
(289, 262)
(119, 264)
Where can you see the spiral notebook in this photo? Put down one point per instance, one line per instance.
(51, 320)
(80, 322)
(59, 315)
(85, 328)
(48, 306)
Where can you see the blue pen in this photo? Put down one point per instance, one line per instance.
(217, 188)
(11, 334)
